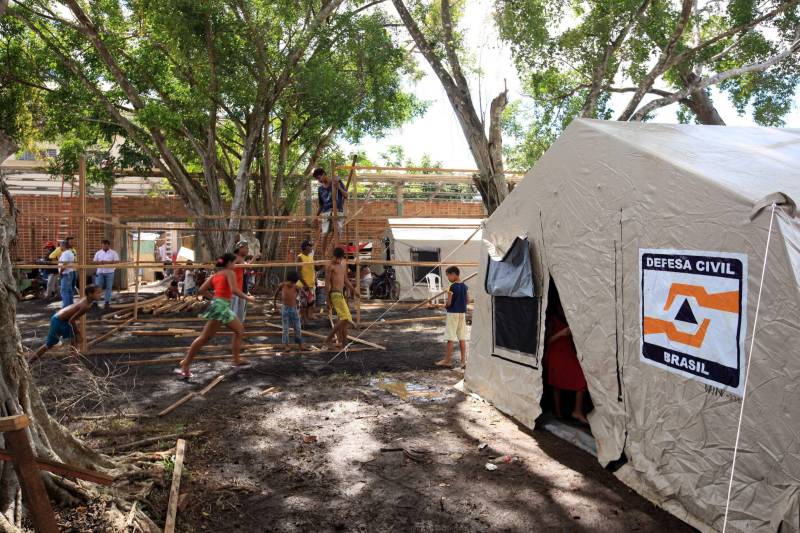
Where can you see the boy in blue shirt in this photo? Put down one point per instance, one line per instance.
(456, 325)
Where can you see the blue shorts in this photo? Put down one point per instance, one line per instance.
(59, 329)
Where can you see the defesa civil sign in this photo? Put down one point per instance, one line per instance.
(693, 314)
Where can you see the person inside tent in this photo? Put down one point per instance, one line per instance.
(564, 371)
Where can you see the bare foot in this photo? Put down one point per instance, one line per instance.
(580, 418)
(444, 362)
(463, 364)
(182, 372)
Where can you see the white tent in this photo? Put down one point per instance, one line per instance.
(633, 223)
(432, 240)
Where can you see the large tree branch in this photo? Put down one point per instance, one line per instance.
(425, 48)
(664, 59)
(267, 101)
(450, 45)
(714, 80)
(601, 74)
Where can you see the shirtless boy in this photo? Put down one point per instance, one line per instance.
(64, 324)
(335, 283)
(290, 318)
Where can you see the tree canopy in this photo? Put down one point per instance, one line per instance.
(232, 101)
(573, 57)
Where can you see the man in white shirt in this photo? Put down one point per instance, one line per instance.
(67, 273)
(104, 277)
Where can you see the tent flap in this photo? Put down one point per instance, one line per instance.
(512, 275)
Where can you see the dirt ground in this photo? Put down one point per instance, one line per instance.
(374, 441)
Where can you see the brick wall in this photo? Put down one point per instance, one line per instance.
(43, 218)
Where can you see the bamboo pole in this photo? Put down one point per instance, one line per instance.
(83, 248)
(136, 273)
(358, 244)
(442, 292)
(335, 206)
(263, 264)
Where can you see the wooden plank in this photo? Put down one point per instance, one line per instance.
(151, 440)
(136, 279)
(30, 480)
(83, 248)
(319, 336)
(191, 395)
(13, 423)
(63, 469)
(408, 320)
(107, 334)
(441, 293)
(173, 360)
(172, 506)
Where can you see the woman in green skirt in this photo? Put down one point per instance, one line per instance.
(219, 313)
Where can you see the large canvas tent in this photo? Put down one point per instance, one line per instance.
(635, 224)
(435, 240)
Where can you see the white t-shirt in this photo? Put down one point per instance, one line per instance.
(189, 280)
(102, 255)
(67, 256)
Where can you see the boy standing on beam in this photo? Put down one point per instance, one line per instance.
(328, 186)
(335, 283)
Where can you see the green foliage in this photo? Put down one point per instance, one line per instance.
(559, 47)
(200, 70)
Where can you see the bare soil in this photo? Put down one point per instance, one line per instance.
(374, 441)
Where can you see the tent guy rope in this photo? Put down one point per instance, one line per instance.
(747, 370)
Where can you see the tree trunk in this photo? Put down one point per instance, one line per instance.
(701, 103)
(487, 152)
(19, 394)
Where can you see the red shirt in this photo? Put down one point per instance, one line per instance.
(239, 272)
(219, 282)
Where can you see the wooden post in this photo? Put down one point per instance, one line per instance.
(358, 247)
(82, 245)
(174, 491)
(335, 200)
(34, 494)
(398, 192)
(136, 273)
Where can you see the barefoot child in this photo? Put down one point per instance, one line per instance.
(335, 283)
(456, 325)
(219, 313)
(64, 324)
(289, 316)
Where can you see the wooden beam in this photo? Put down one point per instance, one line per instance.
(172, 506)
(191, 395)
(61, 469)
(409, 320)
(107, 334)
(150, 440)
(319, 336)
(33, 491)
(83, 248)
(173, 360)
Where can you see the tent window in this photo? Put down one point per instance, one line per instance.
(515, 307)
(516, 324)
(428, 255)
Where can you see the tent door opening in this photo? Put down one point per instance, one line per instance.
(565, 398)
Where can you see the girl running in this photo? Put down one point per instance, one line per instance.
(219, 313)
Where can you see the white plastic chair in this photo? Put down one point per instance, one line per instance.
(435, 287)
